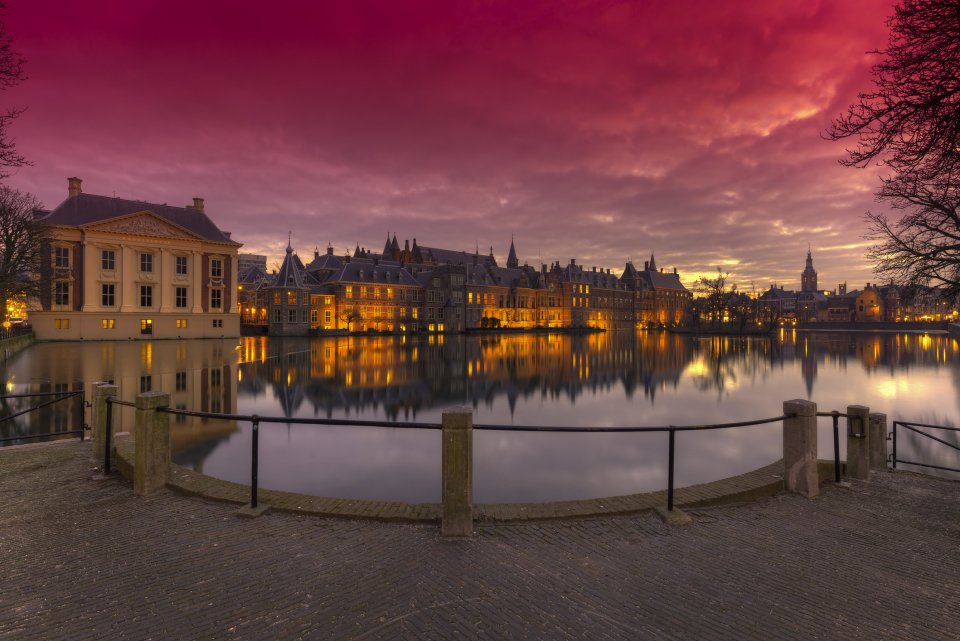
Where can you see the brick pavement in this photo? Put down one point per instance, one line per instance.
(84, 559)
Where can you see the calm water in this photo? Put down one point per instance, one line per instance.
(613, 379)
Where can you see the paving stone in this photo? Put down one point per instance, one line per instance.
(84, 559)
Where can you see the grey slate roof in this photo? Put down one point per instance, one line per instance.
(663, 280)
(452, 257)
(84, 209)
(367, 272)
(291, 271)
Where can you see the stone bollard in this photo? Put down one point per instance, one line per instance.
(151, 434)
(858, 442)
(878, 441)
(457, 519)
(98, 418)
(800, 473)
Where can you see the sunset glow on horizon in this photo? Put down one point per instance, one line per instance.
(597, 130)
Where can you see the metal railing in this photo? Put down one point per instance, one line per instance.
(914, 427)
(57, 397)
(256, 420)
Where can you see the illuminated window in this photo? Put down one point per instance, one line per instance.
(181, 265)
(181, 323)
(61, 257)
(146, 326)
(328, 300)
(146, 262)
(62, 323)
(108, 259)
(180, 298)
(108, 323)
(291, 298)
(416, 312)
(349, 292)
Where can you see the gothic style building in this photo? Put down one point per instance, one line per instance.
(420, 288)
(125, 269)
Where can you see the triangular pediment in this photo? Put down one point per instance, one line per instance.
(143, 223)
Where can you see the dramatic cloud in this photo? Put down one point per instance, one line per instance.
(599, 130)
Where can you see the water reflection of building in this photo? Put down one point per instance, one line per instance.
(198, 375)
(405, 374)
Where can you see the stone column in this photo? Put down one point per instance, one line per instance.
(98, 417)
(878, 441)
(457, 519)
(151, 433)
(858, 442)
(800, 474)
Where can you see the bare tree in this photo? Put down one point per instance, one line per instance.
(714, 290)
(923, 245)
(11, 74)
(910, 122)
(23, 238)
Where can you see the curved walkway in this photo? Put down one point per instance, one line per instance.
(84, 559)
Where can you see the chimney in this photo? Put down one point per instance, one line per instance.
(646, 265)
(197, 205)
(227, 234)
(573, 262)
(73, 187)
(594, 268)
(329, 250)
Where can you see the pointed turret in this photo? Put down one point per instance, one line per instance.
(512, 262)
(653, 263)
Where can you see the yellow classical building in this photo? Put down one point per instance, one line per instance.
(125, 269)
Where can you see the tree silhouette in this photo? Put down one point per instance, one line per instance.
(910, 123)
(11, 74)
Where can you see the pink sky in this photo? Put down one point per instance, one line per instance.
(596, 130)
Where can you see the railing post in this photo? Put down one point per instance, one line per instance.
(800, 474)
(254, 508)
(878, 441)
(858, 442)
(254, 462)
(151, 434)
(670, 455)
(99, 418)
(894, 457)
(836, 445)
(457, 519)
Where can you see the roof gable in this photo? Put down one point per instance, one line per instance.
(142, 223)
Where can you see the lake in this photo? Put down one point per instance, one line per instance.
(608, 379)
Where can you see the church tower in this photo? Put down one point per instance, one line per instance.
(808, 278)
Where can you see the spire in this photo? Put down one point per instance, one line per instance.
(512, 261)
(289, 242)
(653, 263)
